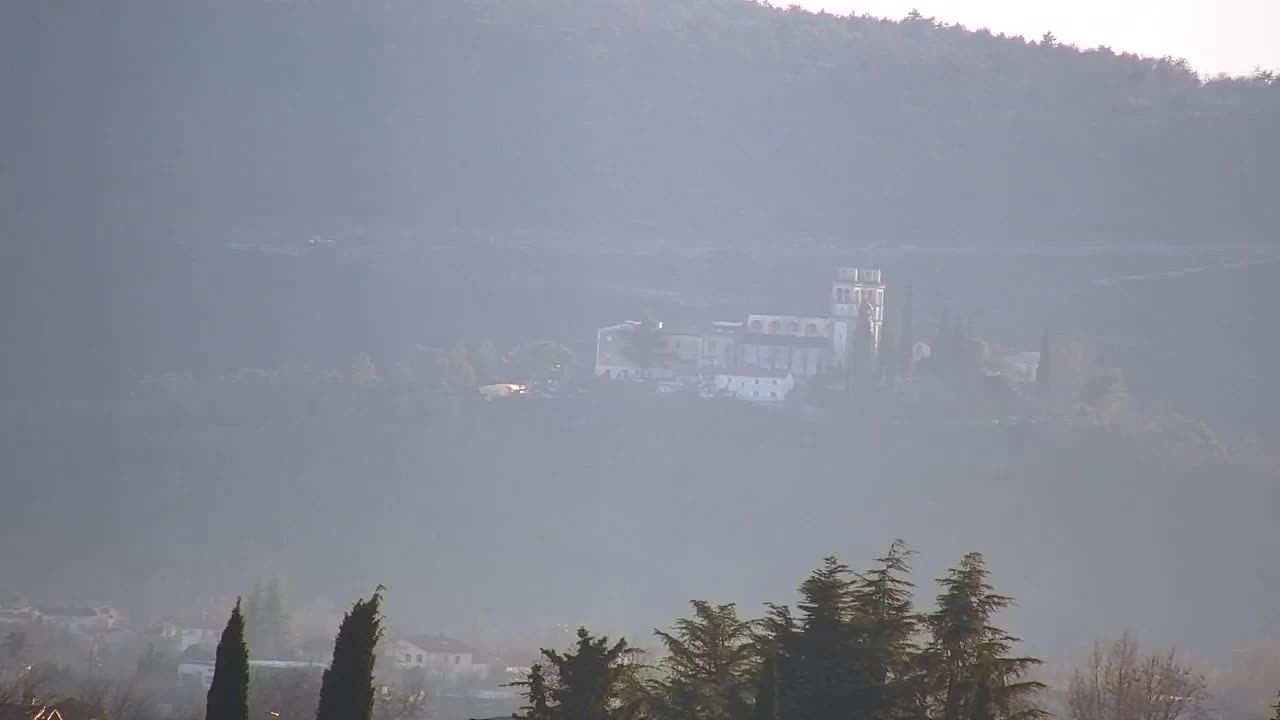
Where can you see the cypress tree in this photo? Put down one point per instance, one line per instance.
(228, 697)
(346, 690)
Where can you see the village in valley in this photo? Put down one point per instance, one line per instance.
(99, 664)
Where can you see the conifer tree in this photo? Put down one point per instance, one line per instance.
(976, 677)
(711, 663)
(228, 697)
(537, 695)
(346, 689)
(767, 697)
(1276, 707)
(887, 626)
(592, 679)
(824, 649)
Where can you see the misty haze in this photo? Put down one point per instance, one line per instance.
(630, 360)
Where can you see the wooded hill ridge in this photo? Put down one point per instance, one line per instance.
(723, 121)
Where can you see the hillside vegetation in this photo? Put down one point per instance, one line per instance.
(720, 120)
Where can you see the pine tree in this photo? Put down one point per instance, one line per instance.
(975, 676)
(1044, 370)
(591, 680)
(346, 690)
(537, 694)
(767, 697)
(824, 649)
(228, 697)
(711, 662)
(882, 599)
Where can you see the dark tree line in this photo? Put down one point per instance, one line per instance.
(853, 646)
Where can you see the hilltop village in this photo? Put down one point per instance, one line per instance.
(770, 358)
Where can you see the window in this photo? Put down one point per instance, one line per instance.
(419, 657)
(775, 382)
(755, 393)
(457, 659)
(408, 657)
(757, 381)
(773, 395)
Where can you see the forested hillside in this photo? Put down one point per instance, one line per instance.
(720, 120)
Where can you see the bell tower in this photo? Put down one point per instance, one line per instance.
(857, 306)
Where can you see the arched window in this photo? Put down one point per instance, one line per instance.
(793, 327)
(811, 329)
(755, 326)
(773, 327)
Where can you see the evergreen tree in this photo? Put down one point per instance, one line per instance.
(537, 694)
(767, 697)
(882, 599)
(776, 680)
(1044, 370)
(824, 649)
(711, 663)
(346, 690)
(592, 679)
(1276, 707)
(228, 697)
(975, 676)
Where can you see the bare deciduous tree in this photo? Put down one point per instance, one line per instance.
(1120, 683)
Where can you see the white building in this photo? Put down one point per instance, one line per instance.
(857, 301)
(441, 659)
(757, 385)
(80, 620)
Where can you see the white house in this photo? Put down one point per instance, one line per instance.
(441, 658)
(80, 620)
(757, 385)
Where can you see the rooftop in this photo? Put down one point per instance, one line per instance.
(439, 643)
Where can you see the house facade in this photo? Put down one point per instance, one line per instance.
(442, 660)
(758, 386)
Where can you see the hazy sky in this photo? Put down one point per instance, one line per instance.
(1215, 35)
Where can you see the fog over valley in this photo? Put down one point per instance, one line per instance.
(814, 366)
